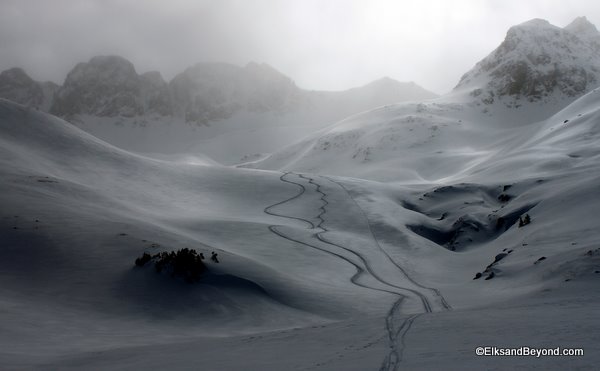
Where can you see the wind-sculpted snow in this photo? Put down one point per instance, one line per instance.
(315, 272)
(439, 141)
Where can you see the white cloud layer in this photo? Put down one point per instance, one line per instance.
(333, 44)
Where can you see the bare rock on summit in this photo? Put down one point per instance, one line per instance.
(104, 86)
(538, 61)
(213, 91)
(17, 86)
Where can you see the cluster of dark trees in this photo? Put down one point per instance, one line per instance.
(185, 263)
(523, 221)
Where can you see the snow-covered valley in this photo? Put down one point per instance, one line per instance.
(403, 237)
(304, 258)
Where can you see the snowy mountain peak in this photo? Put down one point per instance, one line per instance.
(537, 62)
(534, 23)
(581, 26)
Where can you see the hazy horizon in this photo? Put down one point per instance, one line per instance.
(321, 46)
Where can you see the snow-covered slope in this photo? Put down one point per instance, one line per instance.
(76, 212)
(316, 272)
(447, 136)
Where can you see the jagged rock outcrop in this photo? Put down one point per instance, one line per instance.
(538, 62)
(109, 86)
(17, 86)
(156, 95)
(213, 91)
(104, 86)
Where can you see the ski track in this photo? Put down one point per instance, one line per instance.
(396, 336)
(423, 298)
(397, 344)
(436, 292)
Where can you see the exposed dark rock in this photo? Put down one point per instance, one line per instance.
(499, 257)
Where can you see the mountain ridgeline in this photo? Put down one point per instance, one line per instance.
(537, 61)
(243, 115)
(538, 70)
(109, 86)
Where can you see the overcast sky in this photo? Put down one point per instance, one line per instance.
(321, 44)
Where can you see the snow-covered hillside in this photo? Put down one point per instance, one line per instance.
(447, 136)
(335, 268)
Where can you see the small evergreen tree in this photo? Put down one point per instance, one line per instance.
(141, 261)
(185, 263)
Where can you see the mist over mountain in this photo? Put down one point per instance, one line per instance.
(535, 72)
(108, 98)
(109, 86)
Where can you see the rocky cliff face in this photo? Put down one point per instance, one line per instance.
(538, 62)
(104, 86)
(212, 91)
(17, 86)
(110, 87)
(156, 95)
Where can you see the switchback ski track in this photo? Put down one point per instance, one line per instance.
(436, 292)
(397, 334)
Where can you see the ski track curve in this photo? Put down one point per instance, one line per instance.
(423, 298)
(435, 291)
(273, 228)
(396, 336)
(268, 211)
